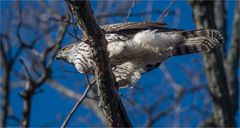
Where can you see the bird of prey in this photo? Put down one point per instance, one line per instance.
(136, 48)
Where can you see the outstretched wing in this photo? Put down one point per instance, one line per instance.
(136, 48)
(131, 26)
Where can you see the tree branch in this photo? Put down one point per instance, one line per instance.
(80, 100)
(130, 10)
(165, 12)
(32, 84)
(132, 14)
(110, 102)
(232, 62)
(93, 104)
(205, 17)
(5, 83)
(27, 97)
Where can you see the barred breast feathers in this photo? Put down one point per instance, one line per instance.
(83, 60)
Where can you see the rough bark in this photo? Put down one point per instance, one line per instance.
(110, 102)
(211, 14)
(232, 62)
(5, 84)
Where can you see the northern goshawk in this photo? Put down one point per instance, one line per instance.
(137, 48)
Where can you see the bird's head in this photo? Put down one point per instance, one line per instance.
(66, 53)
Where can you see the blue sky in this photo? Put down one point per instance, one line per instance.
(50, 107)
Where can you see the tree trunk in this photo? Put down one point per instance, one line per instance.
(211, 14)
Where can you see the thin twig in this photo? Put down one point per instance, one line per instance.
(132, 14)
(27, 95)
(25, 69)
(130, 9)
(170, 109)
(165, 12)
(89, 101)
(169, 78)
(66, 121)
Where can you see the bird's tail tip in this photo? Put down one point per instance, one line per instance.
(199, 41)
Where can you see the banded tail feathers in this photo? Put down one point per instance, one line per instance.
(198, 41)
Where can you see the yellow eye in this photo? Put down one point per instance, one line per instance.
(64, 49)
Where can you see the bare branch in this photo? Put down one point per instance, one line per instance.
(27, 97)
(132, 14)
(170, 109)
(5, 83)
(51, 12)
(220, 16)
(89, 85)
(203, 13)
(176, 87)
(109, 100)
(232, 62)
(130, 10)
(93, 104)
(33, 84)
(165, 12)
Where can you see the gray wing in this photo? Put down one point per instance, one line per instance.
(111, 28)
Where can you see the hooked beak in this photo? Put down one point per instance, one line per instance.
(59, 56)
(63, 53)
